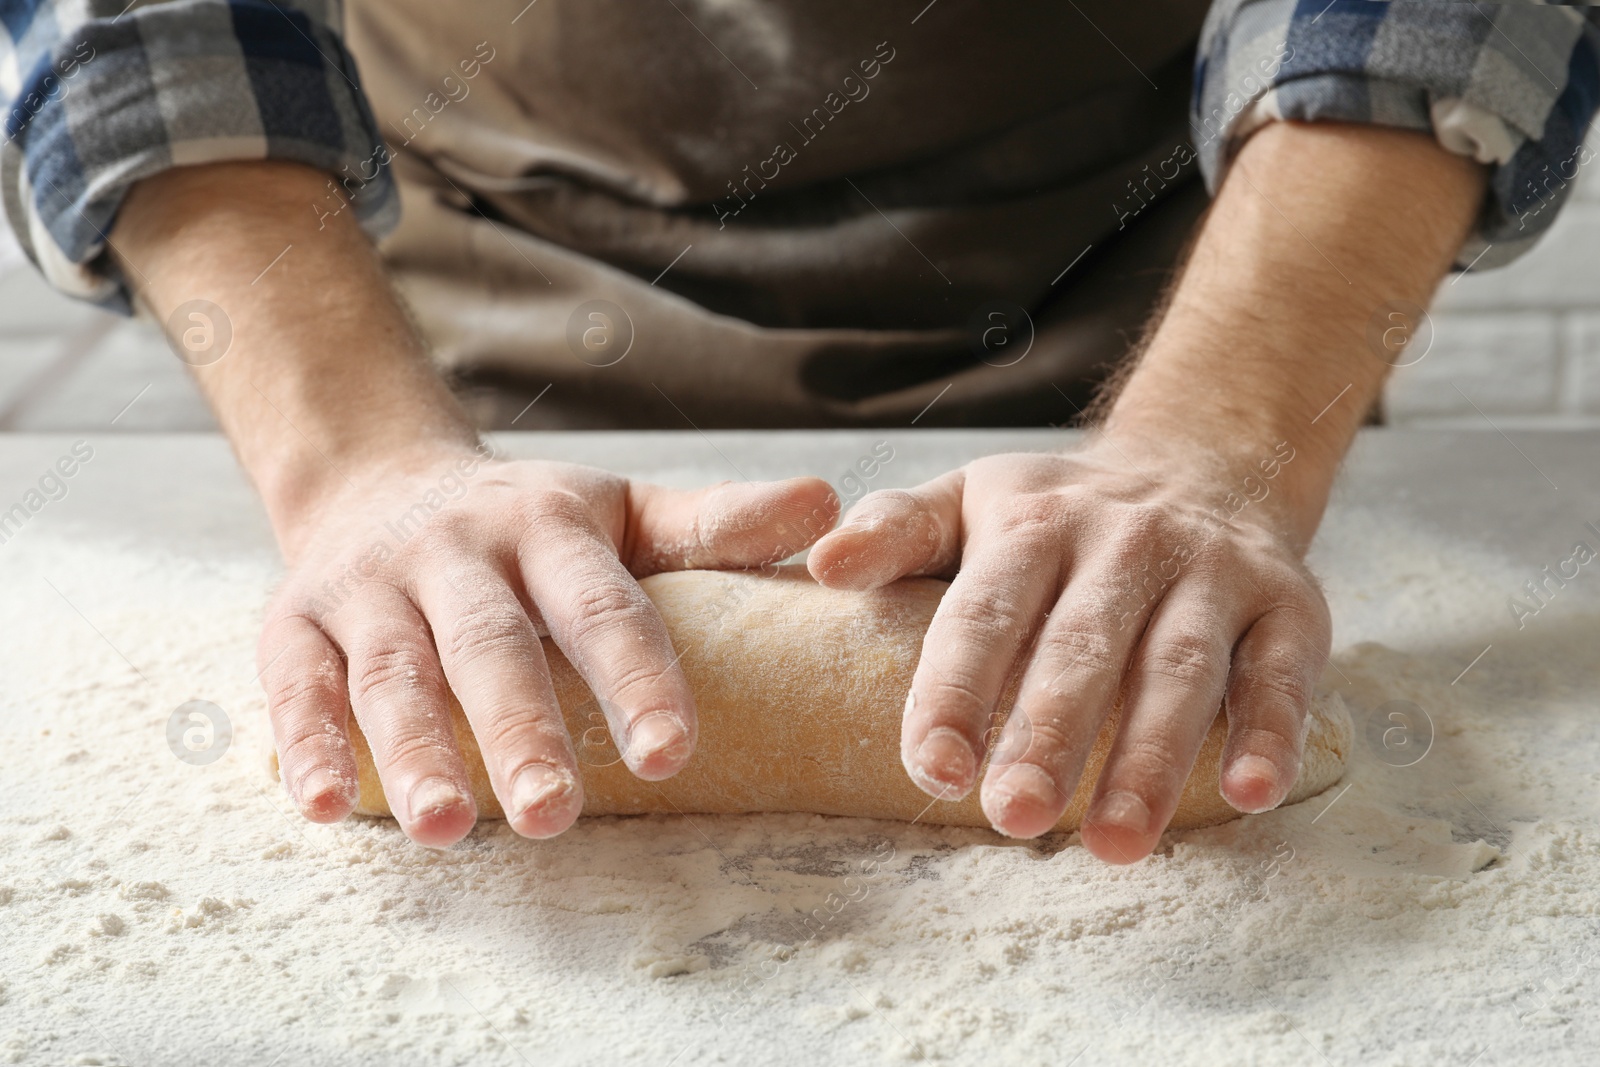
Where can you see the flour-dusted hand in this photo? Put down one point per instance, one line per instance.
(1093, 577)
(1162, 562)
(417, 562)
(445, 574)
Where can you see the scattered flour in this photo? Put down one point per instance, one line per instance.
(1446, 912)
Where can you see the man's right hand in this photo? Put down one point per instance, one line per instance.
(389, 602)
(327, 397)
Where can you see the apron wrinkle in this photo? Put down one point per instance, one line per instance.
(609, 153)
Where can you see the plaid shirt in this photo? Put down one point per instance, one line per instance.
(102, 95)
(1512, 83)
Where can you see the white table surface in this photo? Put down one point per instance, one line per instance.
(1481, 502)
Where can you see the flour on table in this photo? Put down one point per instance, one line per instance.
(160, 911)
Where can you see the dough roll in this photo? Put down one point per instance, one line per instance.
(800, 692)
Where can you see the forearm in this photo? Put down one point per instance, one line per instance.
(385, 615)
(324, 380)
(1316, 227)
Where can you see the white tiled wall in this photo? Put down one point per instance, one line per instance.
(66, 366)
(1521, 343)
(1518, 346)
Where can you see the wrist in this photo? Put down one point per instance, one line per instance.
(1259, 409)
(1264, 347)
(1256, 476)
(304, 491)
(324, 388)
(312, 437)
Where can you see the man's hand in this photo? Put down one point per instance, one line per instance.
(1093, 578)
(387, 603)
(395, 589)
(1163, 561)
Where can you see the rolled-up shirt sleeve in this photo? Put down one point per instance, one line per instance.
(1511, 84)
(101, 95)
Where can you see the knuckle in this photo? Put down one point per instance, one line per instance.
(1033, 517)
(296, 694)
(510, 733)
(1145, 522)
(602, 607)
(1048, 740)
(950, 697)
(414, 751)
(1280, 747)
(1140, 524)
(446, 527)
(1276, 685)
(1312, 608)
(645, 675)
(555, 509)
(1284, 583)
(1188, 658)
(1152, 763)
(282, 621)
(1205, 552)
(1129, 561)
(492, 628)
(388, 670)
(983, 610)
(309, 744)
(285, 628)
(1078, 649)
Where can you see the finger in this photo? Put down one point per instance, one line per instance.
(1275, 671)
(613, 635)
(891, 533)
(496, 667)
(308, 707)
(1171, 696)
(397, 692)
(982, 623)
(733, 524)
(1071, 683)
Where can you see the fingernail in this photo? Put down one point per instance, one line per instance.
(945, 761)
(1256, 778)
(1022, 801)
(537, 786)
(433, 796)
(1025, 781)
(323, 792)
(1123, 810)
(658, 738)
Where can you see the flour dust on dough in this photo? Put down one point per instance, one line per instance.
(800, 691)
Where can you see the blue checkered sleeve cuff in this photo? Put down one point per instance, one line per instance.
(1513, 84)
(102, 95)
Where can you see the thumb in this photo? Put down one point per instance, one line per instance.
(892, 533)
(724, 526)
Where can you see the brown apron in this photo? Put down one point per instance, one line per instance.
(769, 213)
